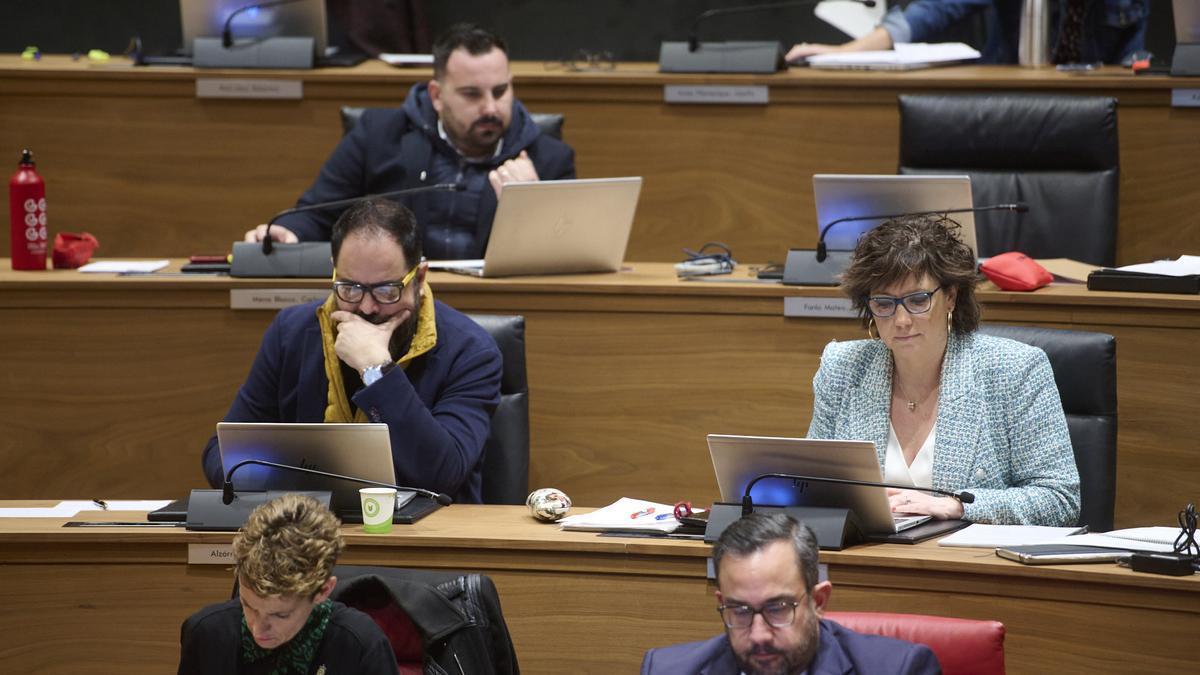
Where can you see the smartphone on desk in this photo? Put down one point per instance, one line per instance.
(1059, 554)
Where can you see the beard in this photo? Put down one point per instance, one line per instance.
(791, 662)
(402, 336)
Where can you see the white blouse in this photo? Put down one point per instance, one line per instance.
(920, 472)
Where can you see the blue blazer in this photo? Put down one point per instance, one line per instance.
(1001, 432)
(438, 410)
(839, 652)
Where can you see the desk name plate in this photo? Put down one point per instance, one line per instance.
(233, 87)
(716, 94)
(1185, 98)
(829, 308)
(210, 554)
(273, 298)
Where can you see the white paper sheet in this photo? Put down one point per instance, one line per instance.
(72, 507)
(117, 266)
(980, 535)
(1183, 266)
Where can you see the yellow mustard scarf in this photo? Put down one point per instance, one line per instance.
(424, 339)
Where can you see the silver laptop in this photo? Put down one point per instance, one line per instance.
(737, 460)
(557, 227)
(206, 18)
(844, 195)
(359, 450)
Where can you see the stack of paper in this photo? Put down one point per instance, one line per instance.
(980, 535)
(903, 57)
(625, 515)
(1153, 539)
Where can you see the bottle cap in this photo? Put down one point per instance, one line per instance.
(27, 156)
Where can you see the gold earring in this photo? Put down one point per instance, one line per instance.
(949, 322)
(870, 328)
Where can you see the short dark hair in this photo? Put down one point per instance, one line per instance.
(915, 246)
(756, 531)
(471, 37)
(379, 216)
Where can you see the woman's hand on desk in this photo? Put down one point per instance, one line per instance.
(278, 232)
(919, 503)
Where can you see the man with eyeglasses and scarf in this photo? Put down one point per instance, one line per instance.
(771, 603)
(380, 349)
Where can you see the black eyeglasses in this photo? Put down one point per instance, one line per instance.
(779, 613)
(385, 293)
(883, 306)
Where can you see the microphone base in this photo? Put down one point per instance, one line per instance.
(802, 268)
(208, 513)
(309, 260)
(721, 57)
(835, 528)
(1186, 60)
(274, 52)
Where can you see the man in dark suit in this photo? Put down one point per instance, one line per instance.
(771, 604)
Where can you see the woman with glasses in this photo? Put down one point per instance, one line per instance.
(946, 407)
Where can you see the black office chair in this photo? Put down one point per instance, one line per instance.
(550, 124)
(1085, 371)
(506, 455)
(1058, 154)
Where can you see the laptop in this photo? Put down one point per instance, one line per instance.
(359, 450)
(737, 460)
(844, 195)
(206, 18)
(557, 227)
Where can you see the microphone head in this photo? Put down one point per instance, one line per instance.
(693, 42)
(966, 497)
(1021, 207)
(868, 3)
(443, 499)
(268, 245)
(822, 251)
(227, 493)
(747, 505)
(226, 39)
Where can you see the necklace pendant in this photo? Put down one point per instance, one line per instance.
(912, 405)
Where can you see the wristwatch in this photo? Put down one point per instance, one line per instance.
(372, 374)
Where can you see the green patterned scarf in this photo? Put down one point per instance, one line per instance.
(294, 657)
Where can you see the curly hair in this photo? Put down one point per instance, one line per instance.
(288, 546)
(915, 246)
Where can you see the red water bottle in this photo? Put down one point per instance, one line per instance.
(27, 208)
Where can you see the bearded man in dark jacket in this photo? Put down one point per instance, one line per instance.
(464, 127)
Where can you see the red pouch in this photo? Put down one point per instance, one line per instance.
(1014, 271)
(73, 250)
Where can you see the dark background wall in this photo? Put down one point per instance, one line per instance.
(535, 29)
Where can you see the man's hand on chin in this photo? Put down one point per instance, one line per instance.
(362, 344)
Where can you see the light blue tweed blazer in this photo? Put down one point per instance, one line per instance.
(1001, 432)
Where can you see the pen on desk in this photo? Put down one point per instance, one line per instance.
(664, 516)
(101, 503)
(639, 514)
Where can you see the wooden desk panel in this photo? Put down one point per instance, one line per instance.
(80, 601)
(132, 156)
(112, 385)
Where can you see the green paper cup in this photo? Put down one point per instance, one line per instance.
(378, 505)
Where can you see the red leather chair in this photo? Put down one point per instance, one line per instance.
(962, 646)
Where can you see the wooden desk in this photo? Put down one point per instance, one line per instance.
(83, 600)
(134, 157)
(110, 385)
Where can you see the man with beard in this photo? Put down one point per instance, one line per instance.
(771, 604)
(380, 349)
(464, 126)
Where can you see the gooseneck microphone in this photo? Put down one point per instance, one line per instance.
(823, 253)
(694, 40)
(227, 30)
(748, 502)
(268, 246)
(227, 486)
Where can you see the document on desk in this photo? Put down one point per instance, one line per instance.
(904, 56)
(118, 266)
(72, 507)
(981, 535)
(1183, 266)
(625, 515)
(1152, 539)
